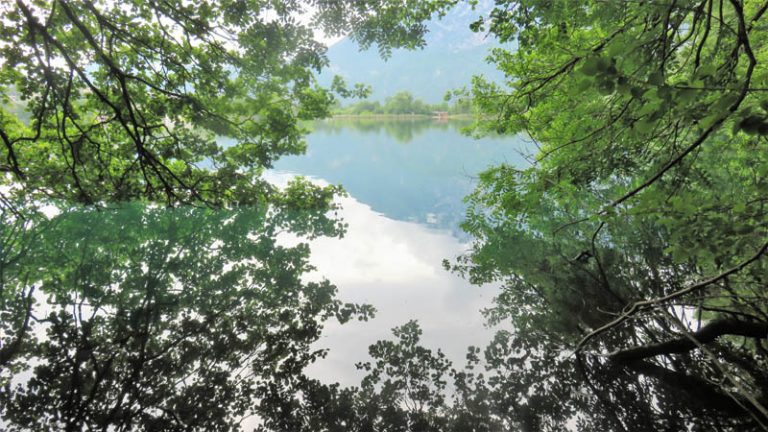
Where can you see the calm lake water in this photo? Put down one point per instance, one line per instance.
(157, 274)
(406, 181)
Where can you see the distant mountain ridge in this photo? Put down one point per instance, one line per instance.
(453, 55)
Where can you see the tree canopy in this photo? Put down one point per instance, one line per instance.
(635, 241)
(116, 101)
(123, 314)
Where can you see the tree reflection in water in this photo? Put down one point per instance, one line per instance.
(145, 318)
(148, 318)
(402, 130)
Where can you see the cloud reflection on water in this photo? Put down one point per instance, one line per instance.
(397, 267)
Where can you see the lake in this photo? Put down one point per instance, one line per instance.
(406, 181)
(171, 300)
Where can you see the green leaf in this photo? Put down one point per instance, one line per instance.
(656, 78)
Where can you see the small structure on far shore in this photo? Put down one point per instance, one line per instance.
(440, 115)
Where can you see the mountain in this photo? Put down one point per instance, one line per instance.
(453, 55)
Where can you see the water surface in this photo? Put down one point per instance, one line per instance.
(406, 181)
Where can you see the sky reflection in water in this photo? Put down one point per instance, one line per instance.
(406, 181)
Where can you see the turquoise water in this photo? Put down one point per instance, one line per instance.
(409, 170)
(406, 181)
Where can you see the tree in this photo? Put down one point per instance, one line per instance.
(127, 100)
(134, 316)
(399, 103)
(636, 238)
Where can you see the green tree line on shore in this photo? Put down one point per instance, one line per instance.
(404, 103)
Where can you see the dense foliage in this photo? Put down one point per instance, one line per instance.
(633, 246)
(125, 315)
(403, 103)
(115, 101)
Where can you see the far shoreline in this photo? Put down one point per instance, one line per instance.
(403, 116)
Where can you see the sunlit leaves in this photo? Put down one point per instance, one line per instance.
(130, 100)
(649, 127)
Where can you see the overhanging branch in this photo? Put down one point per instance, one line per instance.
(706, 334)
